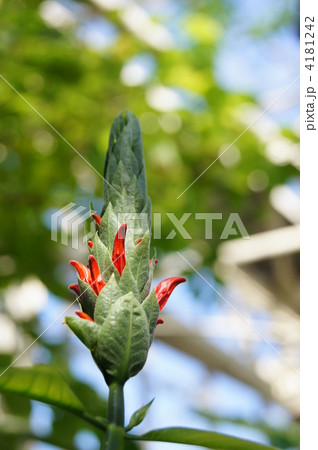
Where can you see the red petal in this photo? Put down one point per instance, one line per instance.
(97, 218)
(118, 257)
(76, 289)
(97, 282)
(159, 321)
(165, 288)
(83, 315)
(82, 270)
(139, 240)
(90, 244)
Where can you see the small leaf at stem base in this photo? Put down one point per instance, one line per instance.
(138, 416)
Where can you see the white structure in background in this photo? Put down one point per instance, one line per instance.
(22, 302)
(138, 22)
(25, 301)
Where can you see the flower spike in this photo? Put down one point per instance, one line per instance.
(83, 315)
(118, 256)
(116, 321)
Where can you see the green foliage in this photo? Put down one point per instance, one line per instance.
(123, 342)
(85, 330)
(151, 308)
(125, 178)
(206, 439)
(109, 295)
(138, 416)
(103, 258)
(47, 385)
(87, 298)
(283, 437)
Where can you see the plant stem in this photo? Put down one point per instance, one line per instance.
(114, 437)
(116, 405)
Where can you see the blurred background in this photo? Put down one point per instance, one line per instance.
(197, 75)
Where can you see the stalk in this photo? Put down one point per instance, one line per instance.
(114, 436)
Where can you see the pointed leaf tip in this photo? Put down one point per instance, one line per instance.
(138, 416)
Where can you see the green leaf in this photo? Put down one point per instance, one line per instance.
(87, 298)
(108, 228)
(47, 385)
(123, 341)
(103, 258)
(138, 416)
(85, 330)
(285, 437)
(151, 308)
(108, 295)
(127, 282)
(207, 439)
(124, 161)
(87, 226)
(40, 383)
(139, 262)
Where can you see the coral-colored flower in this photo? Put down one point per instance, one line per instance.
(97, 280)
(90, 244)
(91, 275)
(118, 256)
(83, 271)
(97, 218)
(164, 290)
(83, 315)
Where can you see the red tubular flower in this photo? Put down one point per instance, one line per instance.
(164, 290)
(97, 218)
(83, 271)
(118, 257)
(83, 315)
(90, 275)
(97, 280)
(76, 289)
(90, 244)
